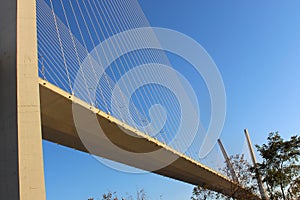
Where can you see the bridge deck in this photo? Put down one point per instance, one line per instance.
(58, 126)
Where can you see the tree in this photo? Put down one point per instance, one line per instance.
(280, 167)
(243, 172)
(110, 196)
(202, 193)
(140, 195)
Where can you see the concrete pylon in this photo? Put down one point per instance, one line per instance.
(21, 156)
(229, 164)
(258, 176)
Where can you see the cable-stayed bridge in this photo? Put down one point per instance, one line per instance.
(67, 78)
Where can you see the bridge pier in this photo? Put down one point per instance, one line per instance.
(21, 156)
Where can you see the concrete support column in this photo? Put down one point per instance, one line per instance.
(258, 176)
(21, 156)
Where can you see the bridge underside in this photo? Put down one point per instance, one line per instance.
(58, 126)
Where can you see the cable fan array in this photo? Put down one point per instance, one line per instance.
(70, 33)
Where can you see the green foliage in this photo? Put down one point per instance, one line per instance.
(280, 167)
(280, 170)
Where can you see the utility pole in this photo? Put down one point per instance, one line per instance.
(229, 165)
(258, 177)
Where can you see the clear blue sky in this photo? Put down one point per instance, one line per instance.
(255, 44)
